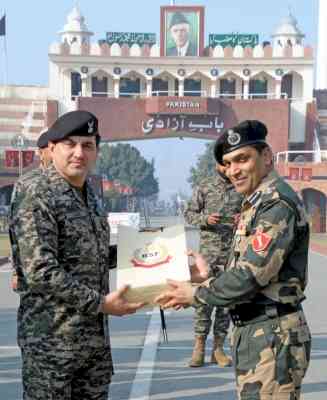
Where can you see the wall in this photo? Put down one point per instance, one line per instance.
(24, 92)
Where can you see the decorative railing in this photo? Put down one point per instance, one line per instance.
(115, 50)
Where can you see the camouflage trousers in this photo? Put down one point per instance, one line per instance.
(203, 314)
(66, 374)
(271, 358)
(203, 322)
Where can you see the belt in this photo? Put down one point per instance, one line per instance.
(248, 313)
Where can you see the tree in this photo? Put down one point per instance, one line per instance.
(205, 166)
(125, 164)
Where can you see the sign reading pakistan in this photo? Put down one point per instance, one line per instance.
(233, 40)
(130, 38)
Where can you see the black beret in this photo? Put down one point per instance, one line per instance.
(245, 134)
(178, 18)
(73, 123)
(42, 141)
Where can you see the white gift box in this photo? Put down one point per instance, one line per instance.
(147, 259)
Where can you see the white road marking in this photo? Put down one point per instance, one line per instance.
(142, 382)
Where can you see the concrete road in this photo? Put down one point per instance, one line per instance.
(147, 368)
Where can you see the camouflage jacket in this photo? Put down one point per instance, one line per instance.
(60, 249)
(269, 260)
(216, 195)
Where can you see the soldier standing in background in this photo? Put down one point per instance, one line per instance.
(213, 208)
(60, 247)
(22, 184)
(43, 149)
(266, 275)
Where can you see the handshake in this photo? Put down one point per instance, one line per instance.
(179, 293)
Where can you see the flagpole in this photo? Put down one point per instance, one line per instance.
(3, 33)
(6, 61)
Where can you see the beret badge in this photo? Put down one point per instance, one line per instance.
(90, 126)
(233, 137)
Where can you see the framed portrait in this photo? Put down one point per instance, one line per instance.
(181, 31)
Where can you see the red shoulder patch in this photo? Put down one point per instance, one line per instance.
(260, 241)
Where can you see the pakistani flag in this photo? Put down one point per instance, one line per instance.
(3, 26)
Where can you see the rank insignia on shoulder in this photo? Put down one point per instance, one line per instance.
(260, 241)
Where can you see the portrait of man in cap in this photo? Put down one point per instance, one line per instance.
(182, 33)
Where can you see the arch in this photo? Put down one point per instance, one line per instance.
(218, 52)
(72, 82)
(197, 83)
(155, 51)
(165, 75)
(197, 75)
(163, 83)
(229, 85)
(75, 49)
(260, 85)
(101, 83)
(230, 75)
(115, 50)
(293, 84)
(133, 74)
(135, 50)
(315, 203)
(238, 52)
(132, 84)
(100, 72)
(262, 75)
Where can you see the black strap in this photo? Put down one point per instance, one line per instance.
(248, 313)
(163, 325)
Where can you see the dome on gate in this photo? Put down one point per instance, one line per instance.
(288, 27)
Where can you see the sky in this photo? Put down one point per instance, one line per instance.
(33, 25)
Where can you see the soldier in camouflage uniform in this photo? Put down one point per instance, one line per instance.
(22, 184)
(60, 248)
(213, 208)
(266, 275)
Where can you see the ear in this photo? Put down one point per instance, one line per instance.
(267, 156)
(51, 147)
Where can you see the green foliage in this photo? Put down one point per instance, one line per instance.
(125, 164)
(205, 166)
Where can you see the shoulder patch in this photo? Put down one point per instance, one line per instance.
(260, 241)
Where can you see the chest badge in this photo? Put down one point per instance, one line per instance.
(260, 241)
